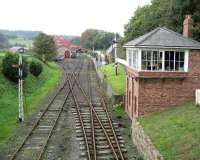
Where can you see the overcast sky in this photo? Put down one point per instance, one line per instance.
(70, 17)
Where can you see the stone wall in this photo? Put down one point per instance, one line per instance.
(114, 99)
(143, 143)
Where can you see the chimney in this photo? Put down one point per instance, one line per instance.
(187, 26)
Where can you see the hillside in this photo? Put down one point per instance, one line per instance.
(35, 89)
(20, 33)
(26, 38)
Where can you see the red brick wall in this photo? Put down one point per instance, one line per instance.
(132, 93)
(156, 94)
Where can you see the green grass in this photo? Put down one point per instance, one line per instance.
(35, 89)
(117, 82)
(175, 132)
(119, 110)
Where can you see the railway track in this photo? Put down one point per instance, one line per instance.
(99, 137)
(35, 143)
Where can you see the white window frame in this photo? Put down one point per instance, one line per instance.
(128, 57)
(135, 59)
(129, 53)
(186, 58)
(139, 59)
(158, 51)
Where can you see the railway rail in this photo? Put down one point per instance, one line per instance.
(95, 129)
(98, 135)
(35, 143)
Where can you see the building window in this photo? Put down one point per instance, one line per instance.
(174, 60)
(151, 60)
(129, 58)
(154, 60)
(133, 58)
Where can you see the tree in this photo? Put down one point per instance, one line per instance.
(74, 39)
(87, 38)
(169, 13)
(3, 42)
(98, 39)
(44, 46)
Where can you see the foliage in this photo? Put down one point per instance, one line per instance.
(118, 109)
(22, 34)
(73, 55)
(12, 72)
(20, 41)
(35, 89)
(175, 132)
(44, 46)
(3, 42)
(35, 68)
(94, 54)
(97, 39)
(117, 82)
(74, 40)
(163, 13)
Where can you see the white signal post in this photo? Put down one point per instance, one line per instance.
(20, 90)
(114, 42)
(115, 46)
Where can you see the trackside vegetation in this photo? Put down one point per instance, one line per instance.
(35, 89)
(117, 82)
(35, 68)
(175, 132)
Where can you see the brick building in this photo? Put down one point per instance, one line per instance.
(64, 47)
(163, 70)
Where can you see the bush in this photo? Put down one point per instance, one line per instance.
(35, 68)
(12, 72)
(73, 55)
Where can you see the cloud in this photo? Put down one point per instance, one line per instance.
(70, 17)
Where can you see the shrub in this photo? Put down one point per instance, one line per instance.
(10, 71)
(35, 68)
(73, 55)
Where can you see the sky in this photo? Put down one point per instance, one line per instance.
(69, 17)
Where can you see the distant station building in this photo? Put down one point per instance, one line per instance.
(18, 49)
(163, 70)
(65, 47)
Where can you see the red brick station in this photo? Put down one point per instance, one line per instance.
(163, 70)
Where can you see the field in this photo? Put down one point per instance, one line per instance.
(175, 132)
(35, 89)
(20, 41)
(117, 82)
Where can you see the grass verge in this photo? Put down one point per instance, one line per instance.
(35, 89)
(117, 82)
(175, 132)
